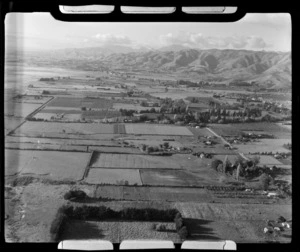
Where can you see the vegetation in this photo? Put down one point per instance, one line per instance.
(265, 181)
(75, 195)
(215, 163)
(57, 225)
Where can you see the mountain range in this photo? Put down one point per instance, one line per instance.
(267, 68)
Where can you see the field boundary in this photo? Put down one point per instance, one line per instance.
(87, 168)
(39, 108)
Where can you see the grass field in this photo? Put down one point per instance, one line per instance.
(117, 231)
(100, 114)
(32, 99)
(114, 149)
(114, 176)
(57, 165)
(170, 178)
(11, 123)
(148, 129)
(262, 127)
(106, 160)
(60, 141)
(265, 145)
(68, 128)
(231, 158)
(80, 102)
(19, 109)
(266, 160)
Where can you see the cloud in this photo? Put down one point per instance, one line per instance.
(198, 40)
(108, 38)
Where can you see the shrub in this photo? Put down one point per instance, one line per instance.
(178, 216)
(160, 227)
(215, 163)
(183, 233)
(179, 224)
(75, 195)
(265, 181)
(153, 226)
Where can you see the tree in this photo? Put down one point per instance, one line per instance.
(215, 163)
(226, 164)
(183, 233)
(144, 147)
(265, 181)
(144, 104)
(166, 145)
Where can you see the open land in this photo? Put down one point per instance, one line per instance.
(70, 133)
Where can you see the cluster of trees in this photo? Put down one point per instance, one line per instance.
(240, 168)
(193, 84)
(101, 213)
(173, 106)
(180, 226)
(127, 112)
(47, 79)
(151, 149)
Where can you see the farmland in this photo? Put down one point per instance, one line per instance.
(156, 130)
(114, 176)
(125, 145)
(117, 231)
(135, 161)
(56, 165)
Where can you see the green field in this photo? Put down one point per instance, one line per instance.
(52, 164)
(107, 160)
(170, 178)
(149, 129)
(80, 102)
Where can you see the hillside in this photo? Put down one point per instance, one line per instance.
(268, 69)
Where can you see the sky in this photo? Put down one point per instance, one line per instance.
(256, 31)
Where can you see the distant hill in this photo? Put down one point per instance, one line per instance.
(268, 69)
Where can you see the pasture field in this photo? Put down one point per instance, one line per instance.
(55, 164)
(170, 178)
(233, 221)
(149, 129)
(31, 99)
(266, 160)
(265, 145)
(80, 102)
(217, 149)
(11, 123)
(111, 160)
(117, 231)
(19, 109)
(201, 132)
(67, 128)
(163, 194)
(61, 111)
(59, 141)
(231, 158)
(90, 115)
(260, 127)
(67, 136)
(114, 176)
(114, 149)
(38, 146)
(166, 194)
